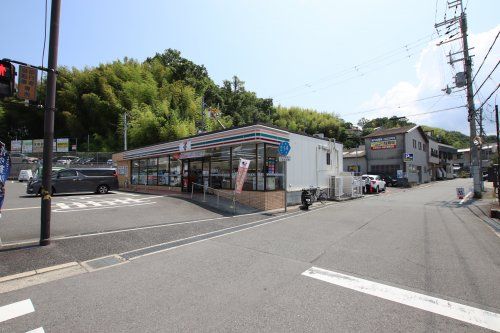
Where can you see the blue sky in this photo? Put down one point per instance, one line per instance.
(346, 57)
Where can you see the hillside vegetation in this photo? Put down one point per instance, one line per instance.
(163, 98)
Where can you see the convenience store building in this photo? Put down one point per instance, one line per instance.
(212, 159)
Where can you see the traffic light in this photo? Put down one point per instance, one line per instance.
(7, 79)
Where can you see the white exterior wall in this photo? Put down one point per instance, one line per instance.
(307, 166)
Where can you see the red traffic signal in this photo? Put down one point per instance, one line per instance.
(7, 78)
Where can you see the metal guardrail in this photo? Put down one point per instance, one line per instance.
(223, 199)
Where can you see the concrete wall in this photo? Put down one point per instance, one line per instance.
(392, 156)
(420, 162)
(356, 161)
(308, 165)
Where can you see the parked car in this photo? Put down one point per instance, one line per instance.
(71, 180)
(22, 158)
(25, 175)
(67, 160)
(389, 181)
(373, 183)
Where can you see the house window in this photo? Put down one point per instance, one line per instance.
(424, 147)
(414, 143)
(328, 161)
(419, 145)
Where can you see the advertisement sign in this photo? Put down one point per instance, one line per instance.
(460, 192)
(38, 146)
(383, 143)
(63, 145)
(122, 170)
(27, 146)
(185, 145)
(399, 174)
(242, 174)
(284, 148)
(26, 86)
(4, 171)
(407, 157)
(16, 146)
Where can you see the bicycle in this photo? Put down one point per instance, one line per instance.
(318, 194)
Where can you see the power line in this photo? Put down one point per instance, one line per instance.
(486, 56)
(489, 75)
(498, 86)
(44, 39)
(395, 52)
(436, 111)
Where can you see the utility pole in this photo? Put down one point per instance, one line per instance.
(48, 126)
(498, 157)
(125, 125)
(477, 180)
(471, 114)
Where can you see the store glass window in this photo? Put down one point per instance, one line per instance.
(261, 172)
(163, 170)
(245, 151)
(274, 169)
(220, 168)
(135, 172)
(143, 172)
(152, 171)
(175, 172)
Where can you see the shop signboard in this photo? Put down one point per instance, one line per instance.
(16, 146)
(63, 145)
(185, 145)
(38, 146)
(408, 157)
(284, 148)
(242, 174)
(383, 143)
(27, 146)
(192, 154)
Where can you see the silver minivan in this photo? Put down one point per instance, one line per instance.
(71, 180)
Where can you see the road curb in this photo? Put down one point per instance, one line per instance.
(39, 276)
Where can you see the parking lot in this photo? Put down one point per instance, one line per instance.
(83, 213)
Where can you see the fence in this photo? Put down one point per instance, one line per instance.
(223, 200)
(346, 187)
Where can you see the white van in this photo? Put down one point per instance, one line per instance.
(25, 175)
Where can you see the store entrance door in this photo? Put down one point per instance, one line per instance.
(196, 171)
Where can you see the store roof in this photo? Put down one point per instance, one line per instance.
(397, 130)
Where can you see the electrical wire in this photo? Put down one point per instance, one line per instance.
(436, 111)
(44, 39)
(489, 75)
(498, 86)
(357, 68)
(486, 56)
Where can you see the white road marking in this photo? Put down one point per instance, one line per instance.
(465, 313)
(62, 205)
(37, 330)
(79, 204)
(110, 205)
(21, 208)
(16, 310)
(94, 203)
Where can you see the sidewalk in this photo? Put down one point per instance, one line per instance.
(482, 207)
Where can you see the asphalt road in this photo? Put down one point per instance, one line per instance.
(83, 213)
(405, 256)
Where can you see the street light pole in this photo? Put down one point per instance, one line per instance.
(48, 127)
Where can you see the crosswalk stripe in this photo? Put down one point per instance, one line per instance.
(62, 205)
(465, 313)
(16, 310)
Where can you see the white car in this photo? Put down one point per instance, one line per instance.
(373, 183)
(25, 175)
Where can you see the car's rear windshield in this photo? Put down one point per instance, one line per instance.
(97, 172)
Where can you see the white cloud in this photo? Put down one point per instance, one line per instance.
(433, 74)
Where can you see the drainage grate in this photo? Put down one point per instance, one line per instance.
(104, 262)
